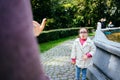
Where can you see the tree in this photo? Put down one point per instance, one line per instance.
(40, 9)
(75, 13)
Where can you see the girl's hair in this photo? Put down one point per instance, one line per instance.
(82, 28)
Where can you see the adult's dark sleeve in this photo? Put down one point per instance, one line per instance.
(19, 55)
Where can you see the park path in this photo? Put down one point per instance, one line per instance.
(56, 62)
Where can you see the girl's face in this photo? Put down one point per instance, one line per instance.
(83, 33)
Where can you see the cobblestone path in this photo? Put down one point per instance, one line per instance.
(56, 62)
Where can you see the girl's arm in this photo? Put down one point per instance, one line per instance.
(92, 50)
(73, 54)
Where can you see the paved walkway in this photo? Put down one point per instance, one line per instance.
(56, 62)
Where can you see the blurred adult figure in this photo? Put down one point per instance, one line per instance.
(103, 23)
(99, 25)
(110, 25)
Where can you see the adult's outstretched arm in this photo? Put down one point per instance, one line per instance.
(19, 55)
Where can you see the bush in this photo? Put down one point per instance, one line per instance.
(51, 35)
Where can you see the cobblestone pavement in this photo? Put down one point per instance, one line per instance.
(56, 62)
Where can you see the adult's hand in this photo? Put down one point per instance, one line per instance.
(39, 28)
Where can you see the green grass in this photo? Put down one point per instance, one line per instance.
(48, 45)
(91, 34)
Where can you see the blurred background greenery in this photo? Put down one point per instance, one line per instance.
(75, 13)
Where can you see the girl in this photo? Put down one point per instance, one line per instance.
(82, 53)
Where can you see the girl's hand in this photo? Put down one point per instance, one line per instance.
(84, 57)
(73, 63)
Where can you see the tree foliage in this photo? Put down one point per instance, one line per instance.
(75, 13)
